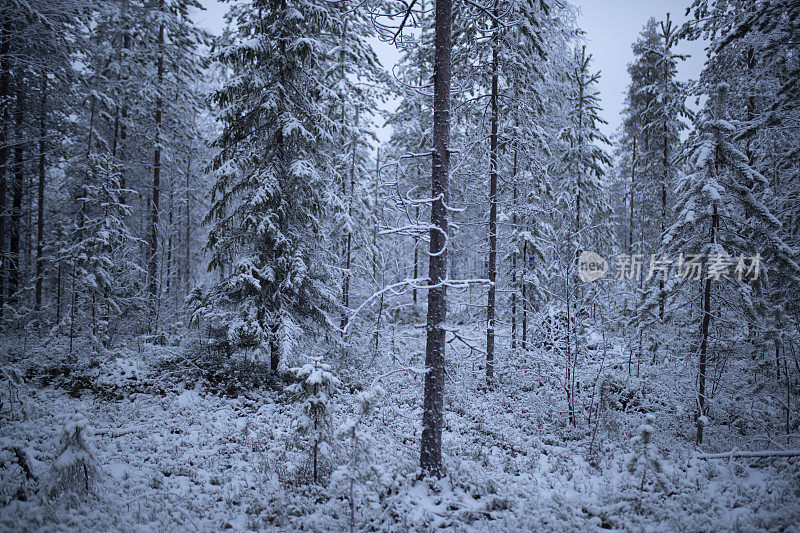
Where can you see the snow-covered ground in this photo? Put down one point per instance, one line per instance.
(177, 451)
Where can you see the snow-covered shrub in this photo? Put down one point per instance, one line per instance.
(645, 459)
(352, 478)
(13, 384)
(315, 389)
(75, 469)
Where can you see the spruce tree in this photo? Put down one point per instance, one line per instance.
(273, 183)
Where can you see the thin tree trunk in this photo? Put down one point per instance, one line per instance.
(14, 263)
(524, 283)
(123, 112)
(58, 295)
(348, 245)
(187, 258)
(169, 246)
(274, 347)
(40, 205)
(433, 403)
(5, 92)
(514, 262)
(630, 219)
(152, 263)
(490, 310)
(704, 327)
(665, 162)
(416, 263)
(375, 246)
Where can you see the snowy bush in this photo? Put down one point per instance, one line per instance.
(75, 469)
(352, 477)
(645, 459)
(312, 427)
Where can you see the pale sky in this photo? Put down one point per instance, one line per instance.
(611, 26)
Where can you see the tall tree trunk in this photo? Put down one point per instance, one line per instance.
(416, 262)
(348, 244)
(274, 346)
(665, 163)
(40, 205)
(5, 93)
(580, 168)
(704, 327)
(630, 218)
(433, 403)
(524, 283)
(152, 262)
(14, 263)
(122, 111)
(375, 247)
(514, 262)
(490, 311)
(170, 233)
(188, 251)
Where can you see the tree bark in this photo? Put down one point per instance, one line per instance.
(514, 263)
(152, 263)
(274, 347)
(5, 91)
(630, 220)
(524, 339)
(40, 205)
(490, 305)
(16, 200)
(433, 403)
(188, 250)
(704, 327)
(348, 244)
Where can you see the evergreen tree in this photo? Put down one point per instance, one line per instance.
(273, 176)
(720, 216)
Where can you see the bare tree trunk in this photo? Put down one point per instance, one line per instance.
(58, 295)
(348, 245)
(630, 220)
(274, 347)
(122, 114)
(188, 250)
(514, 263)
(433, 403)
(5, 93)
(665, 161)
(16, 201)
(524, 283)
(40, 205)
(416, 263)
(152, 263)
(375, 246)
(169, 246)
(490, 305)
(704, 327)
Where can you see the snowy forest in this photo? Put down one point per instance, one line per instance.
(264, 279)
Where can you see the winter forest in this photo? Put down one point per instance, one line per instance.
(263, 279)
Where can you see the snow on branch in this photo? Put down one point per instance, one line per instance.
(744, 454)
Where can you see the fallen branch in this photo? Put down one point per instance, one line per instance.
(118, 432)
(736, 454)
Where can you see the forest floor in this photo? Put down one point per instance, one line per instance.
(182, 450)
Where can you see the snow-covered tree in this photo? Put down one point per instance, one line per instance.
(315, 390)
(720, 215)
(273, 178)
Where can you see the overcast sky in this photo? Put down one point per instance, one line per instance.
(611, 27)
